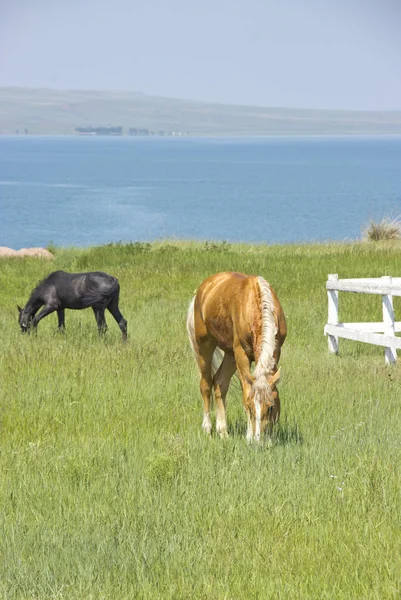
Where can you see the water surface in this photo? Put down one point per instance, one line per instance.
(93, 190)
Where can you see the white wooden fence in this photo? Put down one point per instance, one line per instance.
(380, 334)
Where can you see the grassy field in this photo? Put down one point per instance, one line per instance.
(110, 490)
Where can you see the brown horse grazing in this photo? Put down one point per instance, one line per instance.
(242, 316)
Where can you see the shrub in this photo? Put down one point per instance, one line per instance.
(387, 229)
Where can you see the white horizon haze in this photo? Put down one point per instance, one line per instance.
(316, 55)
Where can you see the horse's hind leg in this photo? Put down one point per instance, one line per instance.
(221, 382)
(61, 321)
(100, 319)
(122, 323)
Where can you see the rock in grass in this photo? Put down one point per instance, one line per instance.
(34, 252)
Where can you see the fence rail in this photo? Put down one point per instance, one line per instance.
(366, 286)
(377, 333)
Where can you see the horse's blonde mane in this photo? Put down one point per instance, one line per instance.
(266, 362)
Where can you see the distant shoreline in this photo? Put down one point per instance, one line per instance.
(62, 112)
(209, 136)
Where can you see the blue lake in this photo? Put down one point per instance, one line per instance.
(93, 190)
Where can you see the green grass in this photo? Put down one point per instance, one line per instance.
(110, 490)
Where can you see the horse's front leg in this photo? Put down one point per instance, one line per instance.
(33, 313)
(244, 373)
(221, 382)
(61, 322)
(46, 310)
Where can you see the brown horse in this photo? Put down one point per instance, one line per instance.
(242, 316)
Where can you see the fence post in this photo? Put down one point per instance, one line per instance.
(332, 296)
(390, 354)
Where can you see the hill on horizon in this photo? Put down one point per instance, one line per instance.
(60, 112)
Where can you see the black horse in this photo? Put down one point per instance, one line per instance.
(62, 290)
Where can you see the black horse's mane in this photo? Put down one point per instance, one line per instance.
(40, 284)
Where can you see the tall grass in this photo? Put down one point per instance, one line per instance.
(386, 229)
(110, 490)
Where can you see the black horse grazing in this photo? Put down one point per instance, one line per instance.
(62, 290)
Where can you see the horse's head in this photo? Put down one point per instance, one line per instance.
(265, 404)
(24, 319)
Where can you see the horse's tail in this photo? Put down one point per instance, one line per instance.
(218, 354)
(191, 329)
(266, 362)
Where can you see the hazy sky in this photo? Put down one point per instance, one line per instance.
(294, 53)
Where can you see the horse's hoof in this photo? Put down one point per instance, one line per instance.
(207, 424)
